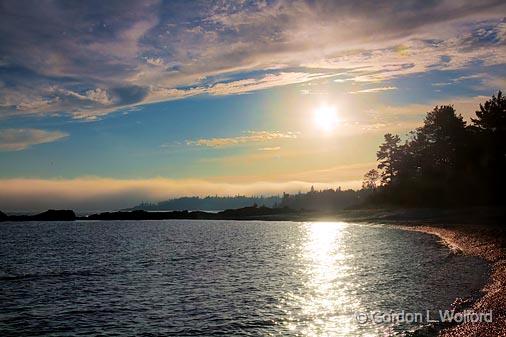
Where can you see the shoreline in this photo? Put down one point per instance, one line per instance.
(469, 240)
(476, 232)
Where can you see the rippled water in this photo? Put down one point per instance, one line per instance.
(217, 278)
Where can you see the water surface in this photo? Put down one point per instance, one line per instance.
(221, 278)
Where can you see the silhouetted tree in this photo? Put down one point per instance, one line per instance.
(388, 158)
(490, 148)
(437, 152)
(440, 137)
(492, 115)
(371, 179)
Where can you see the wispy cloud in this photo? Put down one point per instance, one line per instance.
(20, 139)
(248, 137)
(93, 58)
(452, 81)
(274, 148)
(407, 117)
(373, 90)
(97, 95)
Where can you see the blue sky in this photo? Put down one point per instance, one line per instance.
(145, 100)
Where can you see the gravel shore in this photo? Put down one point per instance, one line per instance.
(488, 244)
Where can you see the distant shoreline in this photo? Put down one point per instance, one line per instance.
(472, 215)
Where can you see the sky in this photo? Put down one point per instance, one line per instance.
(105, 104)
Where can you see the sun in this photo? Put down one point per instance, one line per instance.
(325, 118)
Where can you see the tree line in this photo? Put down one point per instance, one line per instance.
(209, 203)
(325, 200)
(446, 162)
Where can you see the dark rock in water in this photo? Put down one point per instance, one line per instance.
(140, 215)
(246, 213)
(49, 215)
(56, 215)
(253, 211)
(3, 216)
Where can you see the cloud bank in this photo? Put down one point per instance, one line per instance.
(100, 194)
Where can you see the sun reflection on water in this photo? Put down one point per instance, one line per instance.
(325, 305)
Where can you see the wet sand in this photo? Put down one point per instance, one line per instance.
(486, 243)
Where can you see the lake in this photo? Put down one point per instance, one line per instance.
(222, 278)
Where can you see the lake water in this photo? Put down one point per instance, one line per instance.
(222, 278)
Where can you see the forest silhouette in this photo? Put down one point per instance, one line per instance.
(446, 162)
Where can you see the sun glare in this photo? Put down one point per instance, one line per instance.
(325, 118)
